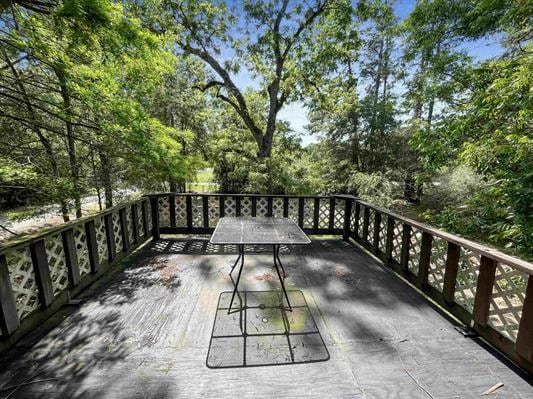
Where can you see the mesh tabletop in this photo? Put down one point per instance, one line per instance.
(258, 230)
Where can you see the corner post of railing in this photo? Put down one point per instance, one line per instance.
(348, 204)
(524, 340)
(485, 283)
(155, 218)
(9, 320)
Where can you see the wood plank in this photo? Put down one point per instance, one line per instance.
(42, 273)
(485, 282)
(71, 257)
(9, 320)
(524, 341)
(450, 272)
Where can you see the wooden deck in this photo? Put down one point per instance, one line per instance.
(145, 333)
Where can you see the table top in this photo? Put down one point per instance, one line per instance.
(258, 230)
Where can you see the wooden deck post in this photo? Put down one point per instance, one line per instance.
(124, 229)
(188, 202)
(285, 207)
(524, 340)
(205, 211)
(425, 259)
(9, 320)
(301, 212)
(71, 257)
(269, 206)
(172, 210)
(377, 226)
(406, 242)
(155, 218)
(135, 222)
(92, 246)
(389, 242)
(485, 282)
(221, 206)
(42, 273)
(316, 214)
(238, 206)
(450, 272)
(331, 218)
(347, 216)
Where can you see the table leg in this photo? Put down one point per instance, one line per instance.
(276, 259)
(236, 284)
(237, 261)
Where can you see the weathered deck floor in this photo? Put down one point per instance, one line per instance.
(145, 334)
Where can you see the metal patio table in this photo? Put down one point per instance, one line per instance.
(251, 230)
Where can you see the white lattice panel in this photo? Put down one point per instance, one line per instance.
(466, 283)
(293, 209)
(382, 233)
(150, 221)
(22, 279)
(140, 219)
(180, 207)
(371, 222)
(508, 294)
(57, 264)
(261, 206)
(197, 211)
(164, 212)
(360, 225)
(309, 208)
(117, 232)
(397, 242)
(414, 251)
(129, 225)
(277, 207)
(246, 206)
(230, 206)
(101, 240)
(80, 240)
(213, 204)
(352, 219)
(340, 209)
(323, 213)
(437, 263)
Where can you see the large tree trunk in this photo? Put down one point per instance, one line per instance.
(105, 164)
(71, 146)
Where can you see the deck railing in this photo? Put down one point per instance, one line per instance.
(41, 272)
(487, 290)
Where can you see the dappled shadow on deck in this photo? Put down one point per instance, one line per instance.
(146, 333)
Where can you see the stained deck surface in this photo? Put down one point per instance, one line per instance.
(146, 332)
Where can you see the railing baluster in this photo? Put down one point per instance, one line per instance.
(450, 272)
(269, 206)
(92, 245)
(485, 282)
(425, 258)
(205, 211)
(135, 223)
(356, 221)
(377, 226)
(188, 203)
(254, 205)
(221, 206)
(238, 205)
(286, 207)
(366, 220)
(172, 210)
(331, 219)
(524, 340)
(347, 216)
(42, 273)
(71, 257)
(155, 218)
(124, 229)
(389, 241)
(301, 205)
(9, 320)
(110, 235)
(316, 214)
(406, 242)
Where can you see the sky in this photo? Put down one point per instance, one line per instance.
(295, 113)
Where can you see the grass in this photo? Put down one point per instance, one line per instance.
(205, 176)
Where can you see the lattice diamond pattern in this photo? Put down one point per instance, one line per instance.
(101, 239)
(437, 263)
(129, 224)
(467, 273)
(197, 211)
(340, 209)
(150, 221)
(180, 207)
(277, 207)
(360, 226)
(246, 206)
(508, 294)
(140, 219)
(80, 240)
(213, 205)
(230, 206)
(22, 279)
(371, 222)
(397, 242)
(261, 206)
(164, 212)
(382, 233)
(323, 213)
(293, 209)
(352, 218)
(309, 208)
(414, 251)
(117, 233)
(56, 262)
